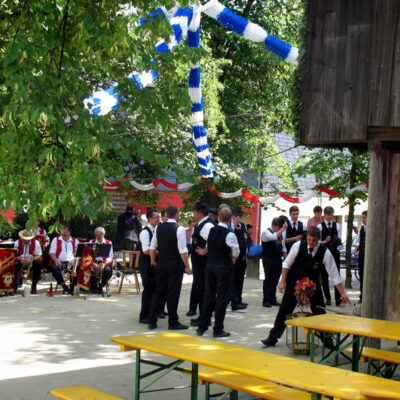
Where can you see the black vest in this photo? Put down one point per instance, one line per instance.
(290, 232)
(144, 259)
(272, 249)
(306, 266)
(168, 252)
(198, 241)
(333, 233)
(361, 249)
(240, 232)
(218, 251)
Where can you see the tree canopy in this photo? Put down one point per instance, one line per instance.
(56, 53)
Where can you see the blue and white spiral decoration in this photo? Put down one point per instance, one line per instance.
(185, 22)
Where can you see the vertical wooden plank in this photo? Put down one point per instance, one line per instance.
(394, 105)
(392, 278)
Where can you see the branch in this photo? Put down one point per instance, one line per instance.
(64, 37)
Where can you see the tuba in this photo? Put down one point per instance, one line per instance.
(26, 269)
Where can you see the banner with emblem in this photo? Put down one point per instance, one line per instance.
(8, 258)
(85, 272)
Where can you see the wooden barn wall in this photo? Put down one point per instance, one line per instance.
(392, 279)
(335, 85)
(384, 104)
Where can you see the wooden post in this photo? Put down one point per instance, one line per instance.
(375, 257)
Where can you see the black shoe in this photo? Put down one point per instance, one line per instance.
(161, 315)
(267, 304)
(328, 303)
(33, 289)
(276, 303)
(199, 332)
(152, 326)
(236, 307)
(270, 341)
(195, 322)
(244, 304)
(190, 313)
(329, 343)
(221, 334)
(144, 321)
(178, 327)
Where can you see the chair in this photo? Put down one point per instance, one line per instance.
(130, 265)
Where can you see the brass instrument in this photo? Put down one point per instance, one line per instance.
(26, 268)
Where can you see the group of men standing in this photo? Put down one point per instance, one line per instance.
(218, 264)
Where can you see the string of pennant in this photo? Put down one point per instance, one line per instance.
(243, 192)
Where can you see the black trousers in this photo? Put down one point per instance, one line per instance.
(239, 271)
(272, 271)
(216, 296)
(198, 285)
(169, 281)
(289, 303)
(57, 272)
(361, 259)
(148, 276)
(36, 271)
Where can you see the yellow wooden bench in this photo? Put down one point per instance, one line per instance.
(379, 395)
(390, 360)
(82, 393)
(253, 386)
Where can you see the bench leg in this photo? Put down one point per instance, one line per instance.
(195, 381)
(356, 353)
(234, 395)
(137, 375)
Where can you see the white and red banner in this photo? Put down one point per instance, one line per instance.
(8, 258)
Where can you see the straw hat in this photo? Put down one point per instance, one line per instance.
(26, 235)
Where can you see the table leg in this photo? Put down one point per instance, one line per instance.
(312, 345)
(356, 353)
(195, 381)
(137, 375)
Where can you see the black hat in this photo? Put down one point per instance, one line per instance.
(212, 210)
(201, 207)
(237, 211)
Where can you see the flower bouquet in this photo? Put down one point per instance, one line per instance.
(304, 291)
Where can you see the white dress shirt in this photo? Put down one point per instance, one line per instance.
(205, 230)
(38, 248)
(180, 236)
(268, 236)
(144, 237)
(339, 230)
(328, 261)
(231, 241)
(67, 249)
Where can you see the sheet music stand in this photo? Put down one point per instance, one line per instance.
(100, 250)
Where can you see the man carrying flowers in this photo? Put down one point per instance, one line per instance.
(306, 259)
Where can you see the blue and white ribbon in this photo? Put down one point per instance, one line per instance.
(250, 31)
(185, 21)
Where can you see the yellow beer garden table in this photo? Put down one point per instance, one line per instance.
(319, 380)
(359, 328)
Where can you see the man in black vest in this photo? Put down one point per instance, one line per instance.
(272, 251)
(294, 231)
(146, 270)
(360, 249)
(223, 250)
(199, 257)
(306, 259)
(331, 238)
(173, 261)
(239, 268)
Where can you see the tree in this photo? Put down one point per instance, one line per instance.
(340, 170)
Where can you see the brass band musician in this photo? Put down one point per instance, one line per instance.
(102, 263)
(29, 256)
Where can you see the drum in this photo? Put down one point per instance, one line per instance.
(8, 258)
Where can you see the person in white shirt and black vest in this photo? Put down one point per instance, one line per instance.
(199, 260)
(239, 268)
(331, 237)
(272, 252)
(147, 272)
(294, 231)
(29, 252)
(223, 250)
(306, 258)
(360, 249)
(62, 251)
(173, 260)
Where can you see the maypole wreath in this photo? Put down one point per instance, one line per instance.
(185, 22)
